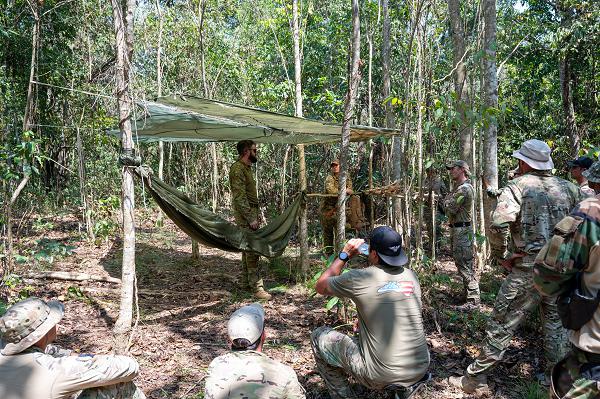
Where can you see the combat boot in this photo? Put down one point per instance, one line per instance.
(470, 384)
(260, 293)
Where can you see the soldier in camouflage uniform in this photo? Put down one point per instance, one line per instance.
(328, 207)
(246, 212)
(32, 368)
(577, 168)
(435, 186)
(529, 207)
(246, 372)
(458, 206)
(575, 248)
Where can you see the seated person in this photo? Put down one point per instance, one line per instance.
(246, 372)
(31, 368)
(391, 347)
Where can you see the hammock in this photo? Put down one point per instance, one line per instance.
(213, 231)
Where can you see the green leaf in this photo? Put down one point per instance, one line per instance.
(332, 302)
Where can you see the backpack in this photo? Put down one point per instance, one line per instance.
(560, 262)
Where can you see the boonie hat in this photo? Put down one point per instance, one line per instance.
(247, 322)
(582, 162)
(460, 164)
(593, 173)
(26, 322)
(388, 245)
(536, 154)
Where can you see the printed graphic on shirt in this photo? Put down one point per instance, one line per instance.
(404, 287)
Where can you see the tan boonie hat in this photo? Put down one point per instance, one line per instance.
(26, 322)
(593, 173)
(460, 164)
(247, 322)
(536, 154)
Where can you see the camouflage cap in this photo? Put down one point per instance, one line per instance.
(26, 322)
(335, 162)
(247, 322)
(460, 164)
(593, 173)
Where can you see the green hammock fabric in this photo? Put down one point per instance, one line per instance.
(214, 231)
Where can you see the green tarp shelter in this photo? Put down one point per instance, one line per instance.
(187, 118)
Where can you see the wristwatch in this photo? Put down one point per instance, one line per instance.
(344, 256)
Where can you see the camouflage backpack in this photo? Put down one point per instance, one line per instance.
(560, 264)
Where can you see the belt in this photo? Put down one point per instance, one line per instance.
(460, 224)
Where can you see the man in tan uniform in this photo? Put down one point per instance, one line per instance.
(577, 167)
(329, 206)
(246, 372)
(246, 212)
(391, 348)
(32, 368)
(458, 206)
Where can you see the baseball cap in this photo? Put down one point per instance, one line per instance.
(247, 322)
(460, 164)
(583, 162)
(26, 322)
(388, 245)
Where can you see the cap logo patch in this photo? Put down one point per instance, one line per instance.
(395, 248)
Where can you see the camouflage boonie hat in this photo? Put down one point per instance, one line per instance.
(593, 173)
(26, 322)
(460, 164)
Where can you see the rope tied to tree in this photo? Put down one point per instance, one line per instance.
(128, 158)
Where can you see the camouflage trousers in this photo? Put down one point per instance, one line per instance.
(338, 356)
(462, 252)
(250, 269)
(328, 224)
(515, 300)
(568, 381)
(126, 390)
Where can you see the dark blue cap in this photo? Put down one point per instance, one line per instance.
(583, 162)
(388, 245)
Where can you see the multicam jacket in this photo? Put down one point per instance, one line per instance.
(530, 206)
(243, 192)
(575, 247)
(458, 203)
(251, 375)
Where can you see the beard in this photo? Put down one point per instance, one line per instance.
(252, 158)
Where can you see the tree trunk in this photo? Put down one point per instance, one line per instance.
(123, 25)
(460, 81)
(566, 85)
(303, 233)
(353, 83)
(490, 91)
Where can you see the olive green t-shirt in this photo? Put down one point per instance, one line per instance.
(391, 336)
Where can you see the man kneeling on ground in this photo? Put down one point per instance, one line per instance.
(246, 372)
(32, 368)
(391, 347)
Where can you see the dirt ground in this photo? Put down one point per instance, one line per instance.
(184, 305)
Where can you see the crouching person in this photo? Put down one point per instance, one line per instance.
(246, 372)
(391, 347)
(32, 368)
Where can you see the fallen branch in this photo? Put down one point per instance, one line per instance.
(70, 276)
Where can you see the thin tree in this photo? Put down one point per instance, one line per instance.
(123, 13)
(302, 161)
(490, 100)
(457, 32)
(353, 83)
